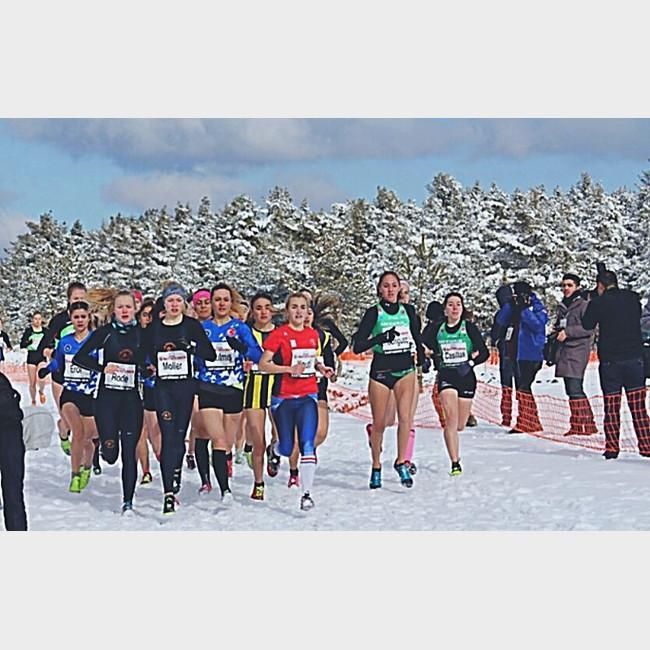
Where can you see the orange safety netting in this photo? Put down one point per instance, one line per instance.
(579, 422)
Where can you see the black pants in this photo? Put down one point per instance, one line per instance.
(507, 371)
(12, 468)
(118, 414)
(174, 400)
(614, 377)
(525, 374)
(574, 387)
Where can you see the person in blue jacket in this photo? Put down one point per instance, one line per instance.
(521, 325)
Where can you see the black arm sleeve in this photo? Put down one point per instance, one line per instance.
(204, 348)
(478, 343)
(96, 340)
(415, 324)
(53, 331)
(342, 342)
(328, 354)
(360, 338)
(5, 338)
(24, 340)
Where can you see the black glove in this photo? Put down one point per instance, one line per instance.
(388, 336)
(426, 365)
(237, 345)
(183, 344)
(43, 372)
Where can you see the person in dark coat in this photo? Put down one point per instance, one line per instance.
(507, 366)
(572, 356)
(522, 325)
(12, 457)
(617, 312)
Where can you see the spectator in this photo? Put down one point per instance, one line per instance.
(506, 365)
(617, 312)
(12, 457)
(572, 356)
(522, 325)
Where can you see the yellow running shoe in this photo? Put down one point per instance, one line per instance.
(75, 484)
(84, 474)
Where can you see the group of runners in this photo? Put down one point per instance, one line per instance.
(129, 373)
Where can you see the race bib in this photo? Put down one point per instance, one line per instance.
(225, 356)
(509, 332)
(454, 353)
(401, 343)
(75, 373)
(122, 377)
(172, 365)
(307, 356)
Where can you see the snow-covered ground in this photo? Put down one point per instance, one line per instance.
(510, 482)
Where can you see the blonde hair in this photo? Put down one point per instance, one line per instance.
(102, 302)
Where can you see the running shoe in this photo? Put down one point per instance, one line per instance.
(206, 488)
(294, 479)
(176, 481)
(75, 484)
(306, 502)
(239, 457)
(258, 492)
(191, 463)
(456, 469)
(272, 462)
(375, 478)
(65, 444)
(127, 508)
(412, 467)
(610, 455)
(146, 478)
(169, 504)
(84, 475)
(227, 498)
(404, 474)
(97, 470)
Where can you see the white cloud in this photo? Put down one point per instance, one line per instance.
(184, 144)
(11, 225)
(156, 189)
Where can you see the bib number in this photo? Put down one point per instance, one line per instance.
(454, 353)
(509, 332)
(306, 356)
(75, 373)
(173, 365)
(401, 343)
(122, 377)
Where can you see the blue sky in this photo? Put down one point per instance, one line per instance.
(88, 169)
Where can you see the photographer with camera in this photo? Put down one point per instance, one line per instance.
(617, 312)
(521, 324)
(572, 355)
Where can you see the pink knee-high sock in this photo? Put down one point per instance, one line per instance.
(409, 446)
